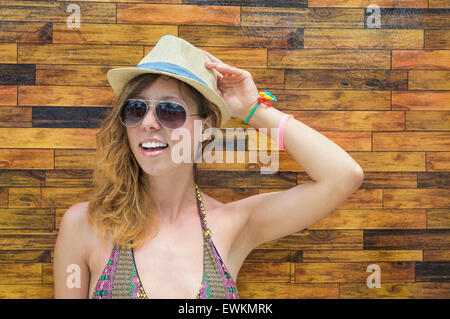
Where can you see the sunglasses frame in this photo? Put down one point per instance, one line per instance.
(154, 112)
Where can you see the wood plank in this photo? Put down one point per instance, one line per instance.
(430, 80)
(48, 138)
(411, 141)
(47, 273)
(351, 272)
(414, 290)
(412, 18)
(30, 95)
(26, 32)
(13, 116)
(318, 239)
(247, 179)
(25, 197)
(388, 162)
(373, 219)
(366, 3)
(416, 198)
(363, 39)
(27, 291)
(8, 51)
(256, 290)
(27, 240)
(350, 141)
(52, 11)
(346, 79)
(420, 100)
(8, 95)
(74, 159)
(437, 39)
(95, 33)
(438, 4)
(331, 100)
(433, 180)
(79, 54)
(427, 120)
(254, 37)
(20, 273)
(177, 14)
(3, 197)
(342, 256)
(68, 178)
(37, 159)
(29, 256)
(438, 218)
(264, 272)
(433, 271)
(438, 161)
(329, 59)
(265, 3)
(275, 255)
(252, 161)
(273, 78)
(69, 117)
(27, 219)
(421, 59)
(72, 75)
(22, 178)
(64, 197)
(407, 239)
(436, 255)
(302, 18)
(17, 74)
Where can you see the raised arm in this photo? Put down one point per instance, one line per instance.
(335, 176)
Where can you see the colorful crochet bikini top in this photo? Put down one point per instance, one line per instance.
(120, 279)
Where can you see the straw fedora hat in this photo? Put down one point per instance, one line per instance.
(175, 57)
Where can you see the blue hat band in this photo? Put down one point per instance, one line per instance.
(170, 68)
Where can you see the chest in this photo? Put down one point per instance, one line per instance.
(171, 265)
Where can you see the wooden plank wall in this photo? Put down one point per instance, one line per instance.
(382, 94)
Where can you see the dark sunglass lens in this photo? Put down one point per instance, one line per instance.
(171, 115)
(132, 112)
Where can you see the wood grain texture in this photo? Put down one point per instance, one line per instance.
(382, 94)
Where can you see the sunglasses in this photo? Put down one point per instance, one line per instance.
(170, 114)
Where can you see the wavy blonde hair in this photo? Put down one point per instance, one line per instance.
(121, 205)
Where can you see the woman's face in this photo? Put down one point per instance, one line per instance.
(167, 89)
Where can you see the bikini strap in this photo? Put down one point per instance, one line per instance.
(201, 210)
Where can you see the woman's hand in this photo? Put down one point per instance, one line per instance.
(235, 86)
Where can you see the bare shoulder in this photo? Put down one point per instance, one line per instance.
(75, 219)
(75, 224)
(71, 249)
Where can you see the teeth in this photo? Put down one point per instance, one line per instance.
(153, 144)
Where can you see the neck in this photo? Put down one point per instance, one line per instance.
(175, 196)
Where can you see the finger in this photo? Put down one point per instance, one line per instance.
(225, 68)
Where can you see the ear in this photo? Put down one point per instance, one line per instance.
(207, 123)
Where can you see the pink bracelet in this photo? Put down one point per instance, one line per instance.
(281, 128)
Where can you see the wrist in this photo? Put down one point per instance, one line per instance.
(248, 111)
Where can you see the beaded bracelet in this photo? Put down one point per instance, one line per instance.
(262, 99)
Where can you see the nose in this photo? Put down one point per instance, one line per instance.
(150, 120)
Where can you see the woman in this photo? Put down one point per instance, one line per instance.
(138, 236)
